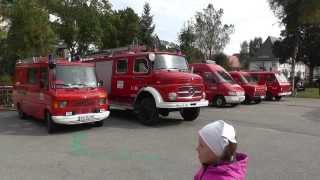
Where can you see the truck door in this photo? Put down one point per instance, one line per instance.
(141, 75)
(120, 89)
(211, 84)
(32, 92)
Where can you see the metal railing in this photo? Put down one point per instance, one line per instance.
(6, 97)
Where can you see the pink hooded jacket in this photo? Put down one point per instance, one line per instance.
(225, 171)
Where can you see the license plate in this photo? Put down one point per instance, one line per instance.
(84, 118)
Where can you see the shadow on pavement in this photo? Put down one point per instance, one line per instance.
(11, 124)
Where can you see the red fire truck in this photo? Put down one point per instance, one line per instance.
(150, 83)
(60, 92)
(277, 84)
(253, 91)
(221, 89)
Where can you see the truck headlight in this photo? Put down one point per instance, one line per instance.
(102, 101)
(172, 96)
(60, 104)
(63, 104)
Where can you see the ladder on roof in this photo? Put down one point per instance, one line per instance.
(113, 51)
(31, 60)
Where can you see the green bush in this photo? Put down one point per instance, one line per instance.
(5, 80)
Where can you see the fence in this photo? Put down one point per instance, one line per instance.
(6, 97)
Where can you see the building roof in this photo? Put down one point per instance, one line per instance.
(265, 52)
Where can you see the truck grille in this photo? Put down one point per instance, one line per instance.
(189, 91)
(260, 92)
(84, 102)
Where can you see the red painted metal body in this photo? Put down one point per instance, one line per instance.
(36, 100)
(131, 81)
(253, 90)
(277, 84)
(219, 83)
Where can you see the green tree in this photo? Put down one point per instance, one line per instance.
(211, 34)
(244, 56)
(30, 33)
(79, 23)
(294, 14)
(146, 26)
(187, 40)
(222, 60)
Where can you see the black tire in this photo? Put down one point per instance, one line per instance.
(21, 114)
(164, 112)
(257, 101)
(98, 123)
(219, 101)
(51, 126)
(269, 96)
(148, 112)
(247, 100)
(278, 98)
(190, 114)
(234, 105)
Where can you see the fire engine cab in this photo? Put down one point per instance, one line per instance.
(61, 92)
(150, 83)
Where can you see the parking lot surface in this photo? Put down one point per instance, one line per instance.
(282, 140)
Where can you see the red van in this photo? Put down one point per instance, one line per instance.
(220, 87)
(59, 92)
(253, 91)
(277, 84)
(150, 83)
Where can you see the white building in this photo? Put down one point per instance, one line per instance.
(264, 59)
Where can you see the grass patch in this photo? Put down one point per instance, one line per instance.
(309, 93)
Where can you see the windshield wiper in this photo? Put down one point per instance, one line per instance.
(62, 84)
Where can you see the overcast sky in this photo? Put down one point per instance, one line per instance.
(252, 18)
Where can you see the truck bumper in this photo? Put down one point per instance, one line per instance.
(284, 94)
(234, 99)
(176, 105)
(81, 118)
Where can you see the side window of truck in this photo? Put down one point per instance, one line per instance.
(209, 77)
(32, 76)
(122, 66)
(44, 76)
(140, 66)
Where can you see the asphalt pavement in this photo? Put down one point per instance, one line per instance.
(282, 140)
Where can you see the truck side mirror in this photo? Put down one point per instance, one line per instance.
(100, 83)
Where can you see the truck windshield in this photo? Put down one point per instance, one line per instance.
(281, 78)
(247, 79)
(170, 62)
(75, 77)
(224, 77)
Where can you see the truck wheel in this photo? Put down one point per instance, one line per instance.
(190, 114)
(148, 112)
(234, 105)
(21, 114)
(278, 98)
(257, 101)
(164, 112)
(51, 126)
(247, 100)
(98, 123)
(269, 96)
(219, 101)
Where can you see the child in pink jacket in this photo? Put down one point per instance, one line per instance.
(217, 153)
